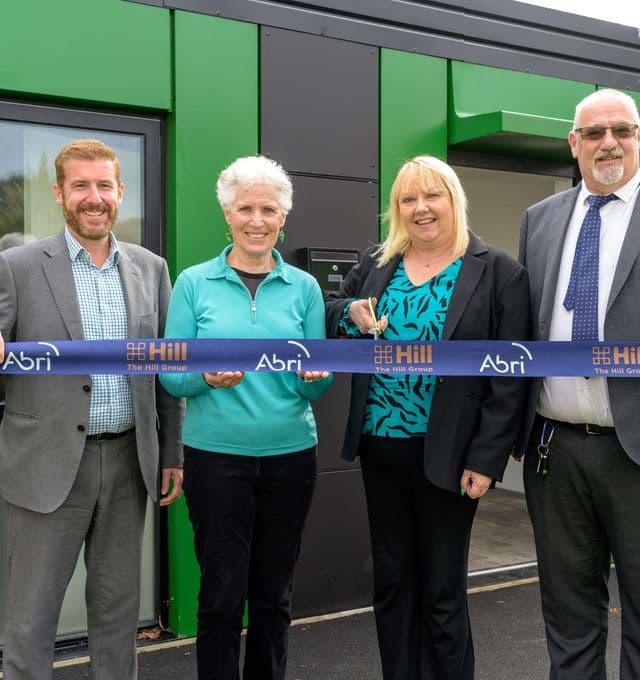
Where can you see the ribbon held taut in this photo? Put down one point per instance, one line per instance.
(468, 357)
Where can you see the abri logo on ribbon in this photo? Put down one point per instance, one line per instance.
(32, 364)
(276, 363)
(507, 365)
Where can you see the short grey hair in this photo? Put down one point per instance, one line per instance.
(250, 170)
(603, 94)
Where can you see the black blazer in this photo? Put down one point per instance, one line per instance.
(474, 420)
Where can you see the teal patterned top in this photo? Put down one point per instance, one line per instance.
(398, 405)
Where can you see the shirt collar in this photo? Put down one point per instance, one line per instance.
(218, 267)
(625, 193)
(77, 250)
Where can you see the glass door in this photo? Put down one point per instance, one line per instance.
(30, 138)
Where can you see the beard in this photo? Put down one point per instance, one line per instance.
(609, 174)
(74, 220)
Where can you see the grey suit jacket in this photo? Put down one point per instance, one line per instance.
(41, 435)
(541, 241)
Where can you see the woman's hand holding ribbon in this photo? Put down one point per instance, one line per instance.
(221, 379)
(310, 376)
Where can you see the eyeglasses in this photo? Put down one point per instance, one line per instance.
(593, 133)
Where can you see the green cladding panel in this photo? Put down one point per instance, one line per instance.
(494, 110)
(103, 51)
(215, 120)
(413, 112)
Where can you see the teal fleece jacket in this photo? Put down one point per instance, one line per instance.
(268, 413)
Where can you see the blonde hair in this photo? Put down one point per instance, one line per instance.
(424, 172)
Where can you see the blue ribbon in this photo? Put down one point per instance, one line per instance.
(473, 358)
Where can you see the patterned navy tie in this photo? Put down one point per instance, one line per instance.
(582, 293)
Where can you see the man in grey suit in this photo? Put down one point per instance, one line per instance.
(582, 463)
(79, 454)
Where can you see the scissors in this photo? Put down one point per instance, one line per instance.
(375, 329)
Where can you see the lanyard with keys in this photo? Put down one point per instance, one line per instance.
(543, 449)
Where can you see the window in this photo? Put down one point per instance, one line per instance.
(30, 141)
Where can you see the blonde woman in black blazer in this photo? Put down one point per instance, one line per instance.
(429, 447)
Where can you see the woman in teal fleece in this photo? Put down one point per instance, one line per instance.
(250, 438)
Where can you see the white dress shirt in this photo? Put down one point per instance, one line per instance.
(586, 400)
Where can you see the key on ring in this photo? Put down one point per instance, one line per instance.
(543, 459)
(543, 449)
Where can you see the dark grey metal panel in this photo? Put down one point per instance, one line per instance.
(491, 161)
(421, 12)
(331, 213)
(319, 104)
(491, 32)
(522, 12)
(500, 28)
(331, 417)
(335, 571)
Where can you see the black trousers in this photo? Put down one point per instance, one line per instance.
(583, 510)
(420, 545)
(248, 514)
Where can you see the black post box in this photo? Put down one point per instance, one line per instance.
(328, 265)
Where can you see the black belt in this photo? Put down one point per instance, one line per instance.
(583, 428)
(108, 435)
